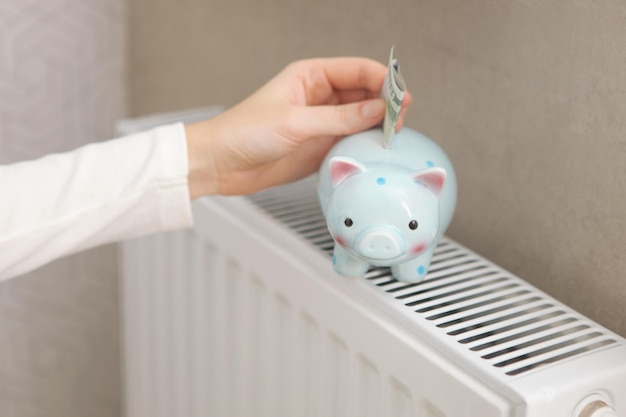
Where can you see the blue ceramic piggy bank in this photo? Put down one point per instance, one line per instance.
(386, 207)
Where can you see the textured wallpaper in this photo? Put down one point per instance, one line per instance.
(62, 84)
(61, 74)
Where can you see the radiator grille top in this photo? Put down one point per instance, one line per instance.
(491, 313)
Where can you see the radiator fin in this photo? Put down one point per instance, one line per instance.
(336, 376)
(309, 366)
(401, 402)
(508, 323)
(368, 390)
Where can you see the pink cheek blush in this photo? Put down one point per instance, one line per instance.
(418, 248)
(340, 241)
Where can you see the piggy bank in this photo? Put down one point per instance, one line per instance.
(386, 207)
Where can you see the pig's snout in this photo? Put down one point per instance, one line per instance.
(380, 243)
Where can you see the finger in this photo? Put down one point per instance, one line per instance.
(400, 122)
(352, 96)
(338, 120)
(342, 97)
(406, 102)
(352, 73)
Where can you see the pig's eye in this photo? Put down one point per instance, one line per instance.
(348, 222)
(413, 224)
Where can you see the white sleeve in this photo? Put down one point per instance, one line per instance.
(100, 193)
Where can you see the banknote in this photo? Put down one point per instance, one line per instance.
(393, 92)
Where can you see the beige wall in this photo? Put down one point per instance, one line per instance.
(527, 97)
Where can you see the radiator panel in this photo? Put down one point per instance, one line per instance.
(462, 294)
(243, 316)
(241, 348)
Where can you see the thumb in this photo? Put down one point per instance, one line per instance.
(340, 120)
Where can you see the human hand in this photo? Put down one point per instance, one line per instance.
(282, 132)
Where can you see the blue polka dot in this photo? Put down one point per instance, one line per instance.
(430, 164)
(421, 270)
(381, 181)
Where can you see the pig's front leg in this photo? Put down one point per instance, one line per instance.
(346, 264)
(415, 270)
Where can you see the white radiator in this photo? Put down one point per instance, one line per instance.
(244, 316)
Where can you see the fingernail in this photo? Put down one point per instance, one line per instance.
(373, 108)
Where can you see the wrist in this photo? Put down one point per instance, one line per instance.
(202, 176)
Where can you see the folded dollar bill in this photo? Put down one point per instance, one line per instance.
(393, 92)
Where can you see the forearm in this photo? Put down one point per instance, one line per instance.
(96, 194)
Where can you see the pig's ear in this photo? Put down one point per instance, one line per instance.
(341, 168)
(433, 178)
